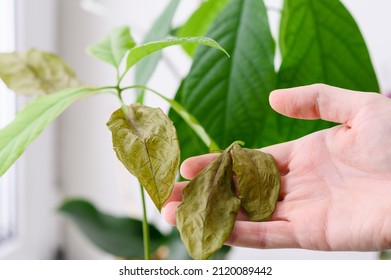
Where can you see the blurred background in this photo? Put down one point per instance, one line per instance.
(74, 156)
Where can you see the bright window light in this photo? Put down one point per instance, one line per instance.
(8, 221)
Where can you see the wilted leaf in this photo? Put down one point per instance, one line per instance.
(177, 251)
(145, 142)
(119, 236)
(32, 120)
(114, 46)
(385, 255)
(209, 208)
(258, 182)
(35, 72)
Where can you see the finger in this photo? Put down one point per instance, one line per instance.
(169, 211)
(267, 235)
(192, 166)
(176, 194)
(281, 154)
(319, 102)
(280, 213)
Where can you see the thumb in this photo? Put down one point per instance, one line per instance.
(320, 101)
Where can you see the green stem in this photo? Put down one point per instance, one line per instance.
(146, 237)
(191, 121)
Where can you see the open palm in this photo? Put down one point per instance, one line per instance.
(336, 183)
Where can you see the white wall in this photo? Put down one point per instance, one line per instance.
(88, 164)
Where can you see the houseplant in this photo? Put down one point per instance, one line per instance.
(319, 42)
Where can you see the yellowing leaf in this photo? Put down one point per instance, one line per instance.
(145, 142)
(258, 182)
(35, 72)
(209, 208)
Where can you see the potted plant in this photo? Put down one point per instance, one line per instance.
(224, 97)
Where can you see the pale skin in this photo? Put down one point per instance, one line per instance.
(336, 183)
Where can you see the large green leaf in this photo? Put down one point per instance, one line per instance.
(159, 30)
(145, 142)
(320, 43)
(114, 46)
(139, 52)
(200, 20)
(190, 143)
(32, 120)
(123, 236)
(229, 97)
(119, 236)
(35, 72)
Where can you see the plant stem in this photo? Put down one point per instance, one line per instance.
(146, 238)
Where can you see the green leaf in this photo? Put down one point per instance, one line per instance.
(159, 30)
(139, 52)
(145, 142)
(32, 120)
(385, 255)
(190, 143)
(35, 72)
(258, 182)
(200, 20)
(209, 207)
(119, 236)
(114, 46)
(321, 43)
(229, 97)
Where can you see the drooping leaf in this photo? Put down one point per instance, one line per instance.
(229, 97)
(159, 30)
(385, 255)
(119, 236)
(209, 207)
(177, 251)
(200, 20)
(139, 52)
(145, 142)
(35, 72)
(320, 43)
(114, 46)
(258, 182)
(32, 120)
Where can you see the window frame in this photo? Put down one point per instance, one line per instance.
(8, 186)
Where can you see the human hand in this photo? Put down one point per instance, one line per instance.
(335, 183)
